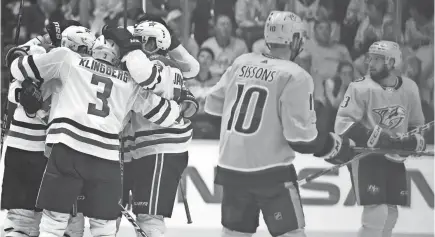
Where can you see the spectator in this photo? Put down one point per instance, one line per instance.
(304, 9)
(175, 22)
(202, 21)
(325, 12)
(251, 16)
(419, 29)
(376, 25)
(325, 54)
(37, 16)
(336, 87)
(224, 46)
(412, 68)
(205, 126)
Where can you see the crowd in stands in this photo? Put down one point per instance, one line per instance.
(339, 34)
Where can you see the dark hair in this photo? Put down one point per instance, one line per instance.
(208, 50)
(380, 5)
(222, 15)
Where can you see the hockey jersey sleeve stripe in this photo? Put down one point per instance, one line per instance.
(29, 125)
(26, 136)
(156, 109)
(153, 77)
(22, 69)
(167, 140)
(35, 69)
(165, 114)
(82, 139)
(163, 131)
(84, 128)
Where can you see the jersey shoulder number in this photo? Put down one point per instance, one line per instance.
(253, 117)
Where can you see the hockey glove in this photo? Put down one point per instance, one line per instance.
(189, 105)
(123, 38)
(55, 29)
(30, 97)
(341, 149)
(13, 53)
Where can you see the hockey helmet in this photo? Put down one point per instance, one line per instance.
(282, 27)
(152, 29)
(106, 50)
(388, 49)
(78, 38)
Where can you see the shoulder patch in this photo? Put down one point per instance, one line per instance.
(360, 79)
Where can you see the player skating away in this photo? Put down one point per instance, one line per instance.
(266, 104)
(86, 117)
(393, 103)
(24, 145)
(160, 154)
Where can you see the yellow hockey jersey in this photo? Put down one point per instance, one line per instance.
(394, 109)
(265, 103)
(88, 112)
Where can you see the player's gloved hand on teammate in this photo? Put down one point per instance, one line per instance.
(341, 151)
(16, 52)
(55, 29)
(30, 97)
(188, 103)
(123, 38)
(13, 53)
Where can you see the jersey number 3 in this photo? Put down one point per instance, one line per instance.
(103, 96)
(255, 116)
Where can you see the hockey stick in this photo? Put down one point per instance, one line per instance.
(132, 221)
(7, 119)
(186, 205)
(369, 151)
(393, 151)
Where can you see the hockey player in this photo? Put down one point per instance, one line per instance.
(160, 154)
(24, 147)
(188, 65)
(85, 119)
(375, 111)
(266, 104)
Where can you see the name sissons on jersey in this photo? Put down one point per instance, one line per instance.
(104, 68)
(255, 72)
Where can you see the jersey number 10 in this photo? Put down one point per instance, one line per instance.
(103, 96)
(255, 116)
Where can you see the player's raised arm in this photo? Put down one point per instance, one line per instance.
(141, 69)
(188, 64)
(157, 109)
(214, 103)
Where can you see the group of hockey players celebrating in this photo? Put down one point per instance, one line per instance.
(82, 100)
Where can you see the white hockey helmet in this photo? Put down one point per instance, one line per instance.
(106, 50)
(152, 29)
(78, 38)
(388, 49)
(281, 27)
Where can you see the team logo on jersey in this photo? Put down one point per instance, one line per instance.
(391, 117)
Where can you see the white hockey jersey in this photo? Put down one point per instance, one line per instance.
(27, 133)
(88, 112)
(152, 139)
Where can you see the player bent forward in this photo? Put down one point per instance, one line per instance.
(266, 104)
(393, 103)
(89, 113)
